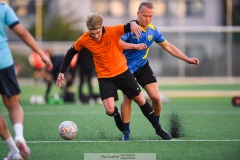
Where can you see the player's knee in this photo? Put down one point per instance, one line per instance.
(111, 111)
(140, 100)
(156, 99)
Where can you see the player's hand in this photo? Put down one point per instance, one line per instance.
(193, 61)
(135, 28)
(60, 80)
(140, 46)
(48, 62)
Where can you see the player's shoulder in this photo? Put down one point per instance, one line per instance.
(3, 5)
(109, 28)
(83, 38)
(153, 29)
(85, 35)
(113, 30)
(5, 8)
(151, 26)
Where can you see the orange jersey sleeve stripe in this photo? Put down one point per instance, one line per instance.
(108, 57)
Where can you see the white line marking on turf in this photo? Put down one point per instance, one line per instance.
(57, 113)
(175, 140)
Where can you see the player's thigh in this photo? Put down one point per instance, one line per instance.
(11, 102)
(152, 90)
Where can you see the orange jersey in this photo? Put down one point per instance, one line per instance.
(107, 55)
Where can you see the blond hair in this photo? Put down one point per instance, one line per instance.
(147, 4)
(94, 21)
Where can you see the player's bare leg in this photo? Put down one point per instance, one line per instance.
(126, 114)
(8, 140)
(14, 108)
(16, 117)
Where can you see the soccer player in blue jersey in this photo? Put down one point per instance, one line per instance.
(138, 64)
(9, 88)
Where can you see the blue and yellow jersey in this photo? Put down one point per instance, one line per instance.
(138, 58)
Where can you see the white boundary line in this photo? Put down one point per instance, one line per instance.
(57, 113)
(175, 140)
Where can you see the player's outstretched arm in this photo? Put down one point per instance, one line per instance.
(125, 46)
(30, 42)
(66, 62)
(174, 51)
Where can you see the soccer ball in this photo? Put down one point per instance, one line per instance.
(67, 130)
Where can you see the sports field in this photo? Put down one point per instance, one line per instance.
(209, 128)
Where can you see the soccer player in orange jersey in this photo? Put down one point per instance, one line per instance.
(111, 67)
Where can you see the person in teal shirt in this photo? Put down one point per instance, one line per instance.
(9, 87)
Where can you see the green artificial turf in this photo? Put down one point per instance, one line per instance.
(209, 129)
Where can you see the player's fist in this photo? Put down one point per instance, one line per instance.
(140, 46)
(193, 61)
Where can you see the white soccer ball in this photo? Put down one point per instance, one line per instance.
(67, 130)
(33, 99)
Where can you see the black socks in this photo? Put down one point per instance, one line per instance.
(117, 118)
(158, 119)
(149, 114)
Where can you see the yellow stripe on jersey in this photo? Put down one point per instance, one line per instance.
(145, 56)
(150, 26)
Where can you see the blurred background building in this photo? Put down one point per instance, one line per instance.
(207, 29)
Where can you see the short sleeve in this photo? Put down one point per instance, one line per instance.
(78, 43)
(118, 30)
(160, 38)
(11, 17)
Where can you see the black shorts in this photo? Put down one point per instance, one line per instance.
(125, 82)
(8, 82)
(145, 75)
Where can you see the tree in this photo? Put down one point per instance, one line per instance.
(59, 29)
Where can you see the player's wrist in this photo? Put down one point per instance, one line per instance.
(135, 46)
(134, 21)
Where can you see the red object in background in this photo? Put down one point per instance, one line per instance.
(236, 101)
(36, 61)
